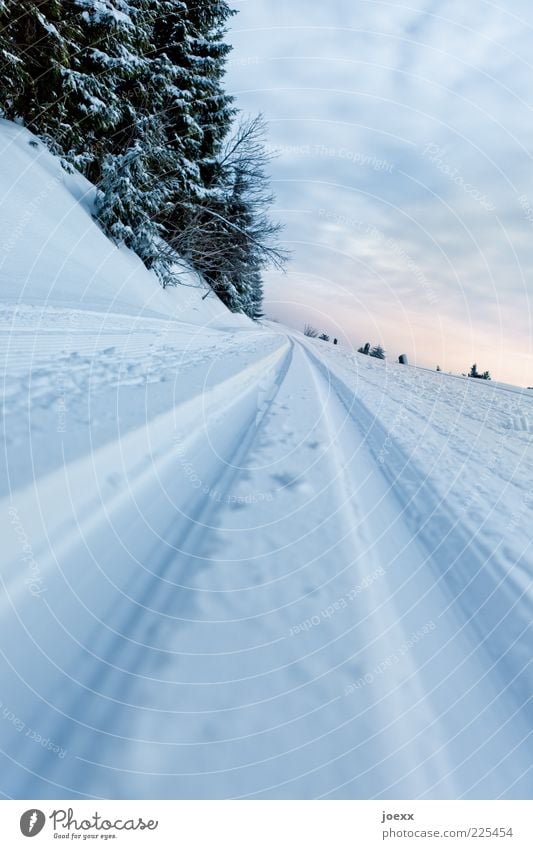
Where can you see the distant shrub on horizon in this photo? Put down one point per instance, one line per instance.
(481, 376)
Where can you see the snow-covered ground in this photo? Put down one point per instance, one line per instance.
(237, 562)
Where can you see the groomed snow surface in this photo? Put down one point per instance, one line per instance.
(237, 562)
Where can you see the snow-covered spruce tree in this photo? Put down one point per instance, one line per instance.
(252, 237)
(109, 85)
(232, 238)
(214, 107)
(180, 72)
(475, 373)
(82, 72)
(35, 48)
(378, 352)
(13, 75)
(188, 40)
(132, 198)
(131, 93)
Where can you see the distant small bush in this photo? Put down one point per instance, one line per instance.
(480, 375)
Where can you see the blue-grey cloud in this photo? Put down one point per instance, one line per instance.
(405, 174)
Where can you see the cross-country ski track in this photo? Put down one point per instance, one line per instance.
(254, 591)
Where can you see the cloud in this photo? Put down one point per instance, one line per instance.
(404, 165)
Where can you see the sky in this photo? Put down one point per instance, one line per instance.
(403, 174)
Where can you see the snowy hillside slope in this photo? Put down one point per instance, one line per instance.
(240, 563)
(53, 253)
(77, 312)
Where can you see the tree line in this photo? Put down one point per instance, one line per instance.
(131, 93)
(379, 352)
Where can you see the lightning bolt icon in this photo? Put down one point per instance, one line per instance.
(33, 820)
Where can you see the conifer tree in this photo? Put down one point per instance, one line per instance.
(82, 73)
(35, 50)
(109, 82)
(131, 93)
(189, 38)
(132, 198)
(13, 75)
(235, 237)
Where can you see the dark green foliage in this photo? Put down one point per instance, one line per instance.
(108, 81)
(230, 237)
(475, 373)
(132, 198)
(35, 48)
(131, 93)
(377, 351)
(188, 45)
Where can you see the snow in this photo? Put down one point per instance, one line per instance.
(52, 253)
(238, 562)
(102, 11)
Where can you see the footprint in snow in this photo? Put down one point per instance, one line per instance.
(288, 481)
(237, 504)
(521, 423)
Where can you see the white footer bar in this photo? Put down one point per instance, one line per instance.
(269, 824)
